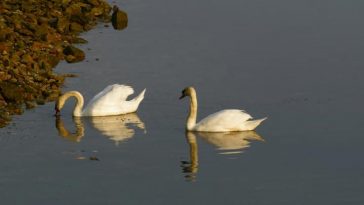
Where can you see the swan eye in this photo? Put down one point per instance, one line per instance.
(183, 94)
(185, 91)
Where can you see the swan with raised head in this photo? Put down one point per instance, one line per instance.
(110, 101)
(229, 120)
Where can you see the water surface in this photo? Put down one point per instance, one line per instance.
(297, 62)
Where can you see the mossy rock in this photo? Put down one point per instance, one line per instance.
(34, 36)
(76, 27)
(119, 19)
(11, 92)
(73, 54)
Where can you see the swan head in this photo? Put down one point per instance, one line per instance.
(63, 98)
(188, 91)
(59, 105)
(58, 111)
(61, 101)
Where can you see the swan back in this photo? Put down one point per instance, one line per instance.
(224, 121)
(112, 101)
(111, 94)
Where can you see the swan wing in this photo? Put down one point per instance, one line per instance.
(224, 121)
(109, 100)
(113, 92)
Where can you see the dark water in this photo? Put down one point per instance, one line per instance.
(298, 62)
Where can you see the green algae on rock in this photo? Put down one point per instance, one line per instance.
(35, 35)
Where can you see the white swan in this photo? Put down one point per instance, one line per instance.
(110, 101)
(222, 121)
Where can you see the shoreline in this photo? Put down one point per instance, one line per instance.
(35, 36)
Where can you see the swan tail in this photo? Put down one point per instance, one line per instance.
(140, 97)
(252, 124)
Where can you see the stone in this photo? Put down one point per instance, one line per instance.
(35, 35)
(119, 19)
(73, 54)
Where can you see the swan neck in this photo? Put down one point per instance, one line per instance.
(79, 105)
(192, 116)
(77, 111)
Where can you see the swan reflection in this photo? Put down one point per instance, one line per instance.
(228, 142)
(63, 132)
(190, 168)
(117, 128)
(231, 142)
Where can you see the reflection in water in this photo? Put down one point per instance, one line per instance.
(190, 168)
(62, 131)
(117, 128)
(229, 142)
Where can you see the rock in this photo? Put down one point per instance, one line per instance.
(73, 54)
(4, 117)
(3, 103)
(76, 27)
(94, 158)
(97, 11)
(3, 76)
(30, 104)
(79, 41)
(11, 92)
(119, 19)
(35, 35)
(93, 2)
(63, 25)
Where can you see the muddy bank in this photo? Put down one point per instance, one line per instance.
(35, 35)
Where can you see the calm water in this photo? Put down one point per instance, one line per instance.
(298, 62)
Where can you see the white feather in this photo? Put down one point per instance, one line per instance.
(227, 121)
(113, 101)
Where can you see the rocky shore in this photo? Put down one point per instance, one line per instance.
(35, 35)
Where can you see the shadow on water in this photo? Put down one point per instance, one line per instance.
(228, 142)
(117, 128)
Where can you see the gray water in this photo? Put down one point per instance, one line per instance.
(300, 63)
